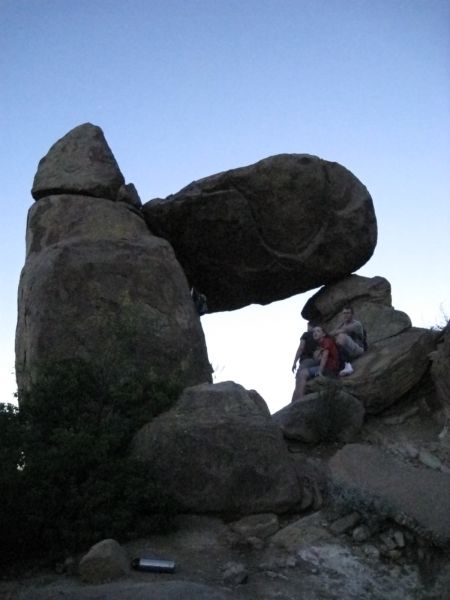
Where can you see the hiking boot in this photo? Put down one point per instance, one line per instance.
(347, 370)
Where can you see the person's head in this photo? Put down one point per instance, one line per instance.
(318, 333)
(310, 325)
(347, 313)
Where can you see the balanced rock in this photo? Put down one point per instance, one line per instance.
(264, 232)
(440, 370)
(371, 302)
(369, 479)
(327, 416)
(98, 286)
(217, 450)
(79, 163)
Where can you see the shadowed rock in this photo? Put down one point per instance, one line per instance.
(98, 286)
(217, 450)
(264, 232)
(82, 163)
(322, 417)
(388, 370)
(371, 302)
(367, 477)
(440, 371)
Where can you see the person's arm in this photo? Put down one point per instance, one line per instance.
(323, 360)
(339, 329)
(298, 354)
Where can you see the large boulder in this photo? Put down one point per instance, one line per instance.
(217, 450)
(98, 286)
(82, 163)
(330, 416)
(264, 232)
(370, 480)
(440, 370)
(370, 298)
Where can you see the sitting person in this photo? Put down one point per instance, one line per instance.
(349, 336)
(305, 352)
(328, 357)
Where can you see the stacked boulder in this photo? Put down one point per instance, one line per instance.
(97, 285)
(398, 355)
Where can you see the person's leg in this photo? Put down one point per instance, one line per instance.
(300, 383)
(348, 346)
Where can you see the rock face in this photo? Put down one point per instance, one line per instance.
(264, 232)
(82, 163)
(389, 370)
(398, 354)
(369, 478)
(98, 286)
(217, 450)
(371, 301)
(321, 418)
(440, 370)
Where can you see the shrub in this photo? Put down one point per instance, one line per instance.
(66, 471)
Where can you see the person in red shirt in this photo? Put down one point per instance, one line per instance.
(328, 365)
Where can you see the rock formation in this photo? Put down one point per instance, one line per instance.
(96, 284)
(264, 232)
(217, 450)
(371, 300)
(440, 371)
(398, 355)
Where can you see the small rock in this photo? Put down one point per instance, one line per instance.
(345, 523)
(410, 450)
(361, 533)
(259, 525)
(291, 562)
(429, 460)
(255, 542)
(371, 551)
(388, 541)
(234, 574)
(394, 554)
(105, 561)
(399, 538)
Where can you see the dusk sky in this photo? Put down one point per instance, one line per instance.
(186, 88)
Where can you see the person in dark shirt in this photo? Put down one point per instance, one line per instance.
(305, 352)
(328, 357)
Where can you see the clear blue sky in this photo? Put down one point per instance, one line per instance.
(187, 88)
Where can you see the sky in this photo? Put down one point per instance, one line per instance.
(186, 88)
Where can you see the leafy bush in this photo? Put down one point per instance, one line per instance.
(67, 476)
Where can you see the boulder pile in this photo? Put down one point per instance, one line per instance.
(107, 279)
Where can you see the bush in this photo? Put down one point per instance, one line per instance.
(66, 471)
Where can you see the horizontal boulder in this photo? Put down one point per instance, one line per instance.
(322, 417)
(264, 232)
(217, 450)
(368, 478)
